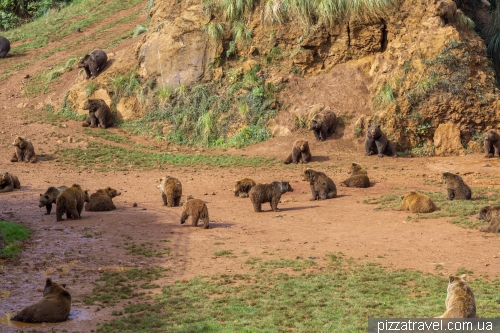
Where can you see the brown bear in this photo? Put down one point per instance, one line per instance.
(322, 187)
(8, 182)
(25, 152)
(101, 200)
(242, 186)
(446, 9)
(417, 203)
(93, 63)
(460, 301)
(456, 187)
(491, 144)
(49, 197)
(171, 191)
(100, 114)
(70, 201)
(300, 151)
(4, 47)
(359, 177)
(197, 209)
(323, 124)
(54, 306)
(376, 142)
(271, 193)
(490, 214)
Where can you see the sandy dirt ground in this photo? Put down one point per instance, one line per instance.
(77, 252)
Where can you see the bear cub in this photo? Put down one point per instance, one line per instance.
(197, 209)
(171, 191)
(271, 193)
(322, 187)
(54, 307)
(25, 152)
(242, 186)
(300, 152)
(376, 142)
(101, 200)
(323, 124)
(50, 197)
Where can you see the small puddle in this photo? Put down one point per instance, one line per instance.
(75, 315)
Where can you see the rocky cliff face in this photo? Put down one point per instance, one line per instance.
(408, 71)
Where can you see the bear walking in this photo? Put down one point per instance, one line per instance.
(242, 186)
(71, 201)
(271, 193)
(171, 191)
(50, 197)
(197, 209)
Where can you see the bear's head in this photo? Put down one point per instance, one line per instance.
(356, 168)
(53, 288)
(315, 122)
(304, 145)
(44, 200)
(485, 213)
(450, 177)
(20, 142)
(309, 175)
(111, 192)
(374, 131)
(83, 61)
(284, 186)
(491, 135)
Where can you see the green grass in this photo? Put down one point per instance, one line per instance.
(112, 287)
(338, 298)
(56, 26)
(461, 212)
(104, 158)
(146, 250)
(223, 253)
(106, 135)
(13, 235)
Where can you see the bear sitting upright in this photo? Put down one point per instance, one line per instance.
(300, 151)
(25, 152)
(93, 63)
(54, 307)
(100, 114)
(376, 142)
(491, 144)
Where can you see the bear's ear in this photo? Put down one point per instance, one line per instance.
(63, 285)
(464, 277)
(48, 282)
(41, 194)
(452, 278)
(86, 192)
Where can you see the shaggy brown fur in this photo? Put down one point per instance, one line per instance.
(323, 124)
(93, 63)
(70, 201)
(359, 177)
(101, 200)
(100, 114)
(456, 187)
(446, 9)
(271, 193)
(322, 187)
(376, 142)
(8, 182)
(25, 152)
(490, 214)
(300, 151)
(197, 209)
(54, 307)
(171, 191)
(460, 302)
(417, 203)
(49, 197)
(491, 144)
(4, 47)
(242, 186)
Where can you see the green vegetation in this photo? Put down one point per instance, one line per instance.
(205, 114)
(384, 97)
(106, 135)
(112, 287)
(13, 235)
(146, 250)
(223, 253)
(338, 297)
(41, 82)
(461, 212)
(13, 13)
(104, 158)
